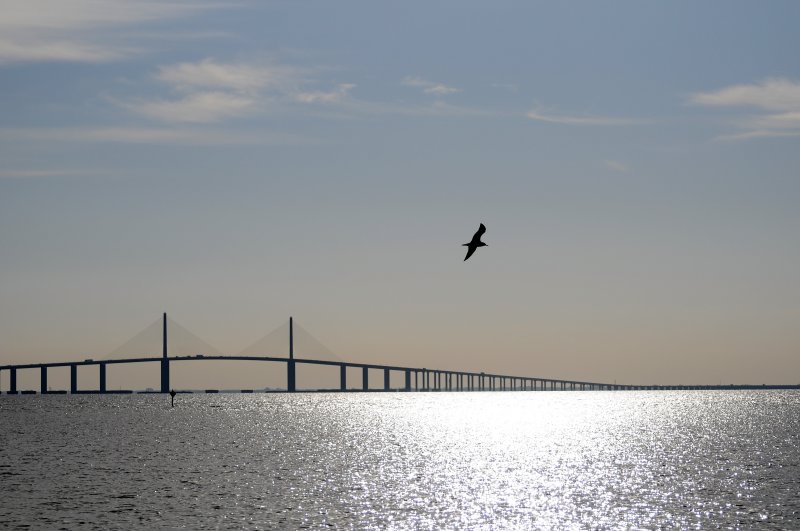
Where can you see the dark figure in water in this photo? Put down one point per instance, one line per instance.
(172, 397)
(476, 242)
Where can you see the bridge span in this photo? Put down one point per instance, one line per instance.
(415, 378)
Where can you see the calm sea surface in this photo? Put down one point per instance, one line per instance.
(566, 460)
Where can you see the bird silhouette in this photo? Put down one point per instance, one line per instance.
(476, 242)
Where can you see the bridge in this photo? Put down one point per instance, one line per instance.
(414, 378)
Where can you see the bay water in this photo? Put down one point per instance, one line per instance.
(491, 460)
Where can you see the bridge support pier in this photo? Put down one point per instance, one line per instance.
(164, 358)
(386, 380)
(73, 379)
(291, 381)
(343, 377)
(164, 375)
(12, 376)
(408, 380)
(365, 379)
(43, 380)
(102, 368)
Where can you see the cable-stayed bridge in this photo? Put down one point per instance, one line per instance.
(177, 344)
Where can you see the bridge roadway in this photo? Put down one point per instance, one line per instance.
(423, 379)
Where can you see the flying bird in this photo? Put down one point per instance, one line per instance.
(476, 242)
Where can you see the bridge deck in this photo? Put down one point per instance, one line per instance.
(432, 379)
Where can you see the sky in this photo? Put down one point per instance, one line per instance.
(235, 163)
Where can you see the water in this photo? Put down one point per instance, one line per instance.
(407, 461)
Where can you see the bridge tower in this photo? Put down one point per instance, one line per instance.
(165, 361)
(290, 365)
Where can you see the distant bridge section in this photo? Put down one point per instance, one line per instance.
(414, 378)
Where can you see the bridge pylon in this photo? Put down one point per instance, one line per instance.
(165, 360)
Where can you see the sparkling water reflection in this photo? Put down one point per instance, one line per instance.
(424, 460)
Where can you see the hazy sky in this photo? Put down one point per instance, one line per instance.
(635, 163)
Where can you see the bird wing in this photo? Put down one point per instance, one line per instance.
(480, 231)
(470, 250)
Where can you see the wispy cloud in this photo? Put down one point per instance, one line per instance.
(187, 136)
(777, 99)
(616, 165)
(199, 107)
(757, 133)
(588, 120)
(24, 50)
(437, 108)
(38, 174)
(210, 91)
(770, 94)
(429, 87)
(238, 77)
(79, 30)
(334, 96)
